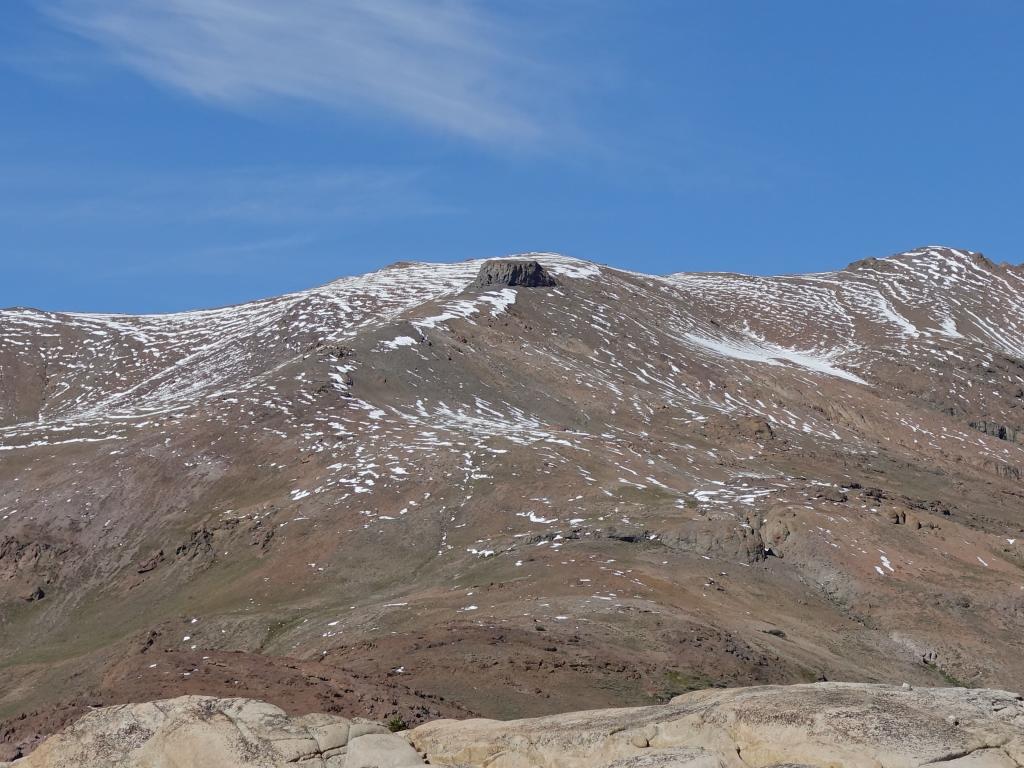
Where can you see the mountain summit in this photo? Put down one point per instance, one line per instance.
(391, 494)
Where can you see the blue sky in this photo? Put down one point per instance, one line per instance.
(158, 155)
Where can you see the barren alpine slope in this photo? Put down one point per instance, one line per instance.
(406, 492)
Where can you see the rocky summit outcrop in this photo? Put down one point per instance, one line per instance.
(826, 724)
(512, 273)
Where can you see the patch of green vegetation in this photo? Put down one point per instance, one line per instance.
(677, 683)
(621, 689)
(809, 675)
(950, 680)
(651, 497)
(104, 616)
(397, 723)
(277, 629)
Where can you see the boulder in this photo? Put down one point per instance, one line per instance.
(833, 495)
(207, 732)
(381, 750)
(759, 428)
(34, 594)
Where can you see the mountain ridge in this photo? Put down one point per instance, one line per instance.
(390, 496)
(403, 263)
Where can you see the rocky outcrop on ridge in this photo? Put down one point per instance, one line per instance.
(512, 273)
(826, 724)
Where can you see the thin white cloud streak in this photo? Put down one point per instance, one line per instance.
(448, 64)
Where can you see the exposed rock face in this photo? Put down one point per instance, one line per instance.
(1001, 431)
(512, 273)
(206, 732)
(741, 427)
(827, 724)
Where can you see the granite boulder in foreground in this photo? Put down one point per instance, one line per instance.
(825, 724)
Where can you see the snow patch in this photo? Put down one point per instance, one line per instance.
(762, 351)
(399, 341)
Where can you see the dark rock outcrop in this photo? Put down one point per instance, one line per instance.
(727, 427)
(512, 273)
(34, 594)
(29, 557)
(832, 494)
(1000, 431)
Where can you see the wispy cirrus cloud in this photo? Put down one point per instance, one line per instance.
(452, 65)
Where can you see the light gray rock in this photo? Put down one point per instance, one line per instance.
(328, 735)
(381, 750)
(826, 724)
(363, 727)
(197, 732)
